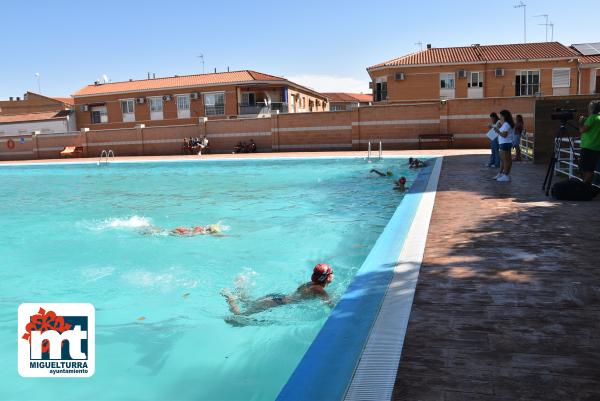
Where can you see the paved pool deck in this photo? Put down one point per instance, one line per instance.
(507, 305)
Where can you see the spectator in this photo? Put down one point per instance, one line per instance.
(590, 142)
(252, 146)
(494, 146)
(505, 140)
(519, 129)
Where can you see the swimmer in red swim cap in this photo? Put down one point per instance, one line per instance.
(401, 184)
(321, 277)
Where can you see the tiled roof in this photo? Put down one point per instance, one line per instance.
(589, 59)
(45, 115)
(66, 100)
(473, 54)
(348, 97)
(177, 81)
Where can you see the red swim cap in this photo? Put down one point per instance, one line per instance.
(402, 180)
(320, 272)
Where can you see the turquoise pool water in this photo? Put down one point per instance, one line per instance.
(75, 234)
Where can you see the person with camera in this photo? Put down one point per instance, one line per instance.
(589, 127)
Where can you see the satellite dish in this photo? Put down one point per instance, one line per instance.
(105, 78)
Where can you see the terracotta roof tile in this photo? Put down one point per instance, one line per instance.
(348, 97)
(177, 81)
(45, 115)
(589, 59)
(470, 54)
(66, 100)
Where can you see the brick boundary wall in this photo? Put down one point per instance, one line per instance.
(396, 126)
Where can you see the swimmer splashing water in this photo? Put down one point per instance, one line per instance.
(212, 229)
(315, 288)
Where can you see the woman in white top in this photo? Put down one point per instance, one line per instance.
(505, 139)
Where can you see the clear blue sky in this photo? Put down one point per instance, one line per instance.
(323, 44)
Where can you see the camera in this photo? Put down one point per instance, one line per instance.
(563, 114)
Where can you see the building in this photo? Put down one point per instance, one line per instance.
(476, 71)
(34, 103)
(589, 62)
(42, 122)
(341, 101)
(183, 99)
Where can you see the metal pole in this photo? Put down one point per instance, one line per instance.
(380, 150)
(369, 151)
(524, 7)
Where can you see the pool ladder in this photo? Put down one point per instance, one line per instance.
(380, 151)
(106, 154)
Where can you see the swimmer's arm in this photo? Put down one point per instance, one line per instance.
(323, 294)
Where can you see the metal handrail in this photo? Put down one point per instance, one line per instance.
(567, 165)
(380, 150)
(105, 154)
(526, 145)
(369, 152)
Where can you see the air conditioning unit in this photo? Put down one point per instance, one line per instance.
(499, 72)
(399, 76)
(85, 107)
(167, 98)
(140, 100)
(194, 95)
(462, 74)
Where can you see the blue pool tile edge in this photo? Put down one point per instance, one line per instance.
(327, 367)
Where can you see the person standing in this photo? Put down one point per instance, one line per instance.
(505, 140)
(519, 129)
(590, 142)
(494, 146)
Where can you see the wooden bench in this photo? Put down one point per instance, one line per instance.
(448, 138)
(72, 151)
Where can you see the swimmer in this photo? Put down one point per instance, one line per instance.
(415, 163)
(212, 229)
(388, 173)
(321, 277)
(196, 230)
(400, 184)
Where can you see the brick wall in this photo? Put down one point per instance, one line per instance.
(397, 126)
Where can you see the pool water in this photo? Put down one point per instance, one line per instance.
(76, 234)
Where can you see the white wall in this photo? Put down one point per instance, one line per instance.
(45, 127)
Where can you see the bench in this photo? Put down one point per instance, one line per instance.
(448, 138)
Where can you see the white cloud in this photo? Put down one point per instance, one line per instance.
(331, 83)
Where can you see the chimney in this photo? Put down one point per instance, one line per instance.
(130, 79)
(227, 68)
(18, 98)
(428, 46)
(148, 75)
(10, 98)
(153, 75)
(215, 70)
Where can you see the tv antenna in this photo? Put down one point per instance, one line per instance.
(420, 44)
(201, 57)
(37, 75)
(105, 78)
(546, 24)
(524, 7)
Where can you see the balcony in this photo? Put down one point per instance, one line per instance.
(262, 108)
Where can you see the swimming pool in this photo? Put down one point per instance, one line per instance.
(76, 234)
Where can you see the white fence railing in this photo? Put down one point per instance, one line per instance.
(527, 140)
(567, 162)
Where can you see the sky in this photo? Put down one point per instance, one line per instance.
(325, 44)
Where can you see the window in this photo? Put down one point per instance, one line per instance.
(561, 77)
(214, 103)
(475, 80)
(447, 80)
(248, 99)
(527, 83)
(99, 115)
(127, 106)
(381, 91)
(183, 102)
(337, 107)
(156, 105)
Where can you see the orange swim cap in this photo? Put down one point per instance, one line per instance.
(320, 272)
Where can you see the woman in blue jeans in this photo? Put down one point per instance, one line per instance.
(495, 146)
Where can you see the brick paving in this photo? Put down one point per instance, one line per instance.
(507, 305)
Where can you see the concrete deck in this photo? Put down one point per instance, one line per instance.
(507, 305)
